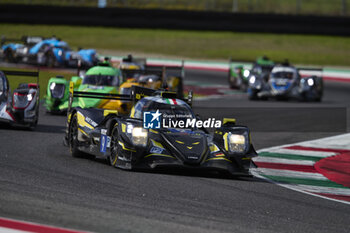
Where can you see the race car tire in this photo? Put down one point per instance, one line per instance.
(112, 158)
(232, 82)
(73, 137)
(252, 94)
(244, 87)
(9, 56)
(33, 125)
(50, 60)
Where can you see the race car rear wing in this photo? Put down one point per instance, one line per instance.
(130, 58)
(30, 40)
(136, 94)
(34, 74)
(127, 73)
(180, 69)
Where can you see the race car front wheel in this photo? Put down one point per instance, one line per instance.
(114, 147)
(73, 137)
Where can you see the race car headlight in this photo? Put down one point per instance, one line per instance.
(139, 136)
(52, 86)
(237, 143)
(252, 79)
(310, 82)
(30, 97)
(246, 73)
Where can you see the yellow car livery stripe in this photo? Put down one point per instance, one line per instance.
(107, 112)
(82, 122)
(219, 158)
(124, 148)
(168, 156)
(226, 141)
(157, 144)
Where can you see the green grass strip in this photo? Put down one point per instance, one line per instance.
(305, 181)
(219, 45)
(290, 156)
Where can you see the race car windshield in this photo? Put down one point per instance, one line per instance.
(282, 74)
(101, 80)
(173, 111)
(262, 69)
(63, 47)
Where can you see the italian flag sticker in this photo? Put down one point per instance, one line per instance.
(171, 101)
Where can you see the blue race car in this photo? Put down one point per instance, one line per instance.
(51, 52)
(285, 82)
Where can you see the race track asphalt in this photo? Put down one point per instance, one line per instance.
(41, 182)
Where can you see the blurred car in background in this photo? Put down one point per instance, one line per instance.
(101, 78)
(285, 82)
(136, 72)
(51, 52)
(238, 75)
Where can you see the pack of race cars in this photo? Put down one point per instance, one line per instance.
(41, 51)
(106, 107)
(267, 79)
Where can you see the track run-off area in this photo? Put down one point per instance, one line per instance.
(40, 182)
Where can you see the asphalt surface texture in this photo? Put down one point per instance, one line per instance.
(41, 182)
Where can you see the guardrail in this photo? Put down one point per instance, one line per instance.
(174, 19)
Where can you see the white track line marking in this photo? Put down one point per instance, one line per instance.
(334, 142)
(291, 174)
(9, 230)
(300, 152)
(284, 161)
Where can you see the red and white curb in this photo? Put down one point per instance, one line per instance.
(318, 167)
(14, 226)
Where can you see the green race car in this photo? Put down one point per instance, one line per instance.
(103, 78)
(238, 76)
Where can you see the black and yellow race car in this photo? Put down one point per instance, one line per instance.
(138, 141)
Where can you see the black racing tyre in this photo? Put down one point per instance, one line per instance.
(9, 56)
(232, 86)
(73, 137)
(50, 60)
(244, 87)
(33, 125)
(252, 94)
(112, 158)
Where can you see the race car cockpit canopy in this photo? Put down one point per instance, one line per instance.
(102, 80)
(281, 72)
(173, 108)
